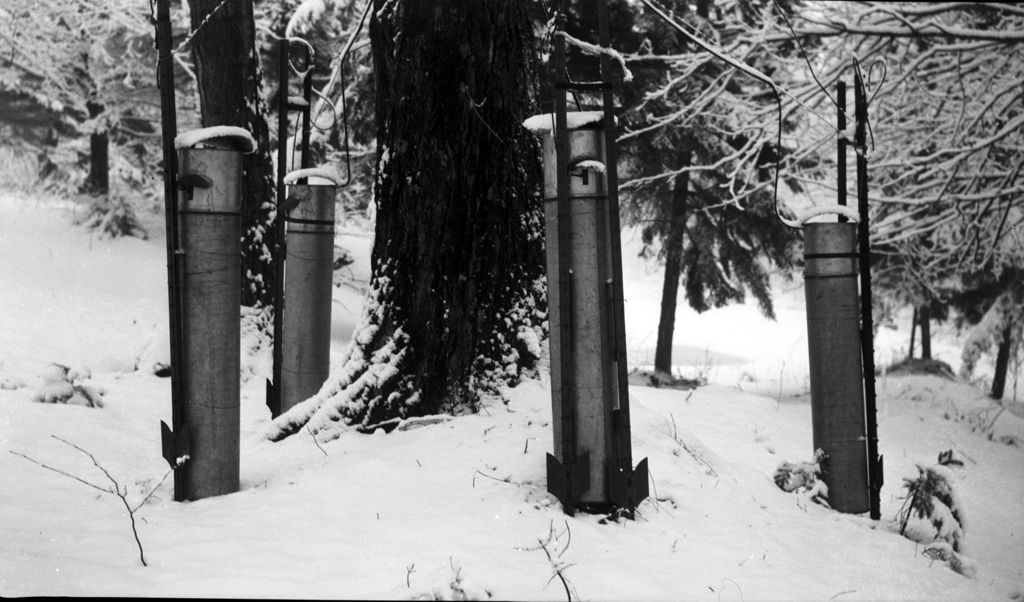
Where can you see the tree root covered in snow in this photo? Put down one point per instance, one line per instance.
(367, 387)
(380, 381)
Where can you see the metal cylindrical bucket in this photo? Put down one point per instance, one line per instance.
(837, 386)
(589, 347)
(306, 332)
(210, 236)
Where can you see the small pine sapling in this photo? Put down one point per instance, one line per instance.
(804, 478)
(931, 497)
(66, 385)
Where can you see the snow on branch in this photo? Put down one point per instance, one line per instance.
(627, 75)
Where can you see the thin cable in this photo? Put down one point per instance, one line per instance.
(326, 90)
(803, 53)
(334, 110)
(200, 27)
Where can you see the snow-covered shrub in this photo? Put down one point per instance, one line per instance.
(19, 168)
(112, 215)
(11, 383)
(920, 366)
(804, 478)
(660, 380)
(63, 384)
(940, 550)
(932, 510)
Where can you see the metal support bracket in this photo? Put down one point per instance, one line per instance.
(568, 482)
(175, 444)
(627, 486)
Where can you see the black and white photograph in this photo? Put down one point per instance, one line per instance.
(581, 300)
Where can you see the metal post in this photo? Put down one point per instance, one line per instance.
(174, 438)
(567, 473)
(306, 337)
(626, 487)
(841, 143)
(867, 320)
(273, 390)
(209, 219)
(837, 393)
(284, 205)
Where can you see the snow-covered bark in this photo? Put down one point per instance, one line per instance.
(456, 299)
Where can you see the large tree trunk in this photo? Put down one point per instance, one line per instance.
(457, 301)
(229, 82)
(1002, 363)
(673, 271)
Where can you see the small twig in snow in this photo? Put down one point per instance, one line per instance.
(527, 446)
(122, 494)
(152, 491)
(507, 479)
(315, 442)
(409, 570)
(558, 566)
(849, 591)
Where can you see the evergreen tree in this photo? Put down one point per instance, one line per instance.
(699, 181)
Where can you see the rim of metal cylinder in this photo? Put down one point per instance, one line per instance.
(220, 137)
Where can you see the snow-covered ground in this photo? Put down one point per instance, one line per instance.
(459, 508)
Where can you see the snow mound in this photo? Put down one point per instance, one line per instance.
(66, 385)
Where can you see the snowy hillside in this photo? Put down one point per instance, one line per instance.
(458, 508)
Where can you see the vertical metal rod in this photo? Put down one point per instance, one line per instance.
(867, 324)
(168, 123)
(623, 452)
(307, 93)
(274, 388)
(841, 143)
(569, 393)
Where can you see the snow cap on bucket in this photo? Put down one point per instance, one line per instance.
(223, 137)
